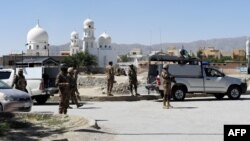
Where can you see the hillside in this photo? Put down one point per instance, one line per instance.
(224, 44)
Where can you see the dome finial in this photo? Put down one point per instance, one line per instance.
(38, 23)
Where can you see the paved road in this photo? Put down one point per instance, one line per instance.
(195, 119)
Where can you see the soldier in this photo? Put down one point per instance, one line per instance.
(20, 81)
(62, 81)
(77, 92)
(132, 80)
(167, 78)
(110, 78)
(73, 87)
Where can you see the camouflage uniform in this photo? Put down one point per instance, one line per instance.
(167, 87)
(77, 92)
(132, 79)
(110, 79)
(62, 81)
(20, 82)
(73, 87)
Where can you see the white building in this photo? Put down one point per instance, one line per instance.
(37, 42)
(101, 49)
(74, 43)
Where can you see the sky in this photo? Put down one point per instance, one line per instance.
(126, 21)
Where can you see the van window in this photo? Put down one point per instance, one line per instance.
(5, 75)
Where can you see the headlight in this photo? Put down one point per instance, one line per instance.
(9, 98)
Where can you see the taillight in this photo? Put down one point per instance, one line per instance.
(41, 87)
(158, 80)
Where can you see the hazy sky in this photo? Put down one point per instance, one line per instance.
(126, 21)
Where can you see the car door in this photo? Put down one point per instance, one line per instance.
(214, 81)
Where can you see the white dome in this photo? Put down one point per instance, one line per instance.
(104, 37)
(88, 23)
(37, 35)
(74, 35)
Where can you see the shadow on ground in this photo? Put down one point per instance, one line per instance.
(149, 134)
(14, 128)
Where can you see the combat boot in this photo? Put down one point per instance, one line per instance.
(110, 94)
(79, 105)
(137, 94)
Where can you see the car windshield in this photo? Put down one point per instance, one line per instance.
(4, 85)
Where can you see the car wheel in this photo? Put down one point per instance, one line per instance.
(234, 92)
(178, 94)
(219, 96)
(41, 99)
(1, 108)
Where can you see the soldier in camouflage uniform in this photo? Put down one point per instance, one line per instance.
(63, 82)
(19, 81)
(132, 80)
(77, 92)
(110, 78)
(167, 79)
(73, 87)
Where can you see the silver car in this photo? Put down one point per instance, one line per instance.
(14, 100)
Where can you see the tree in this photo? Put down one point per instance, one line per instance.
(81, 59)
(199, 54)
(124, 58)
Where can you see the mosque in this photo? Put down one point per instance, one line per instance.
(38, 44)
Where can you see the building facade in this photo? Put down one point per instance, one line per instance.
(37, 42)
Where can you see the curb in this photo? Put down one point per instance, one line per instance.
(111, 98)
(125, 97)
(102, 98)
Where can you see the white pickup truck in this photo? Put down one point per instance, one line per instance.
(195, 78)
(38, 84)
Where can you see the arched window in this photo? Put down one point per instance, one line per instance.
(37, 46)
(105, 46)
(29, 46)
(100, 46)
(45, 47)
(37, 54)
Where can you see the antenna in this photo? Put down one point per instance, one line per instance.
(38, 22)
(160, 40)
(150, 41)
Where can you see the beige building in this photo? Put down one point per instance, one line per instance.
(173, 51)
(135, 51)
(239, 54)
(211, 52)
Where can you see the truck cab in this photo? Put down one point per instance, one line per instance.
(193, 77)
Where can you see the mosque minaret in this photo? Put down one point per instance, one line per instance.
(74, 43)
(88, 35)
(38, 44)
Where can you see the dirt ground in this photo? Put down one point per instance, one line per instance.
(42, 126)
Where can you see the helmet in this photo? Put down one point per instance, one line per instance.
(70, 70)
(165, 66)
(64, 67)
(20, 70)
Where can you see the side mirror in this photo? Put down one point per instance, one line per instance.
(223, 74)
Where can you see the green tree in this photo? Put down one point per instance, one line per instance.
(81, 59)
(199, 54)
(124, 58)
